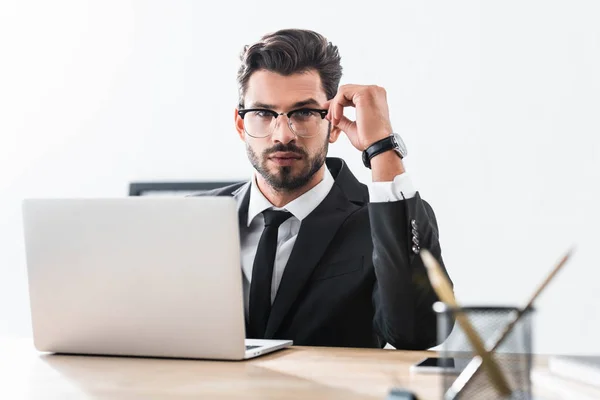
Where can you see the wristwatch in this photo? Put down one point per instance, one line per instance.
(392, 142)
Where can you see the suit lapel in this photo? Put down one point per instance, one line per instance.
(316, 232)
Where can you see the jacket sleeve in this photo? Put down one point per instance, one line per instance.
(403, 297)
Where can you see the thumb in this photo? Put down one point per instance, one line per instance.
(347, 125)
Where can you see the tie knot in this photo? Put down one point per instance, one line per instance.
(275, 218)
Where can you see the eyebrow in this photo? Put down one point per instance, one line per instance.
(298, 104)
(307, 102)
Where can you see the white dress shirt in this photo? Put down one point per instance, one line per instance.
(400, 188)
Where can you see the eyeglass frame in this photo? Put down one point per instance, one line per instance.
(242, 113)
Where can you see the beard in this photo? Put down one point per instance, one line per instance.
(284, 179)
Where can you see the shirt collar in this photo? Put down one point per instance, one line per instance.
(300, 207)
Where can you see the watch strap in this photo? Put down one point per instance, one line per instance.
(376, 148)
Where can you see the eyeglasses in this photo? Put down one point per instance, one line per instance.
(261, 123)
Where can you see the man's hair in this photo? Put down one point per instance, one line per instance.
(291, 51)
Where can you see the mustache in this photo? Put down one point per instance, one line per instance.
(290, 147)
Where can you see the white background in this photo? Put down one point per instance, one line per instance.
(498, 102)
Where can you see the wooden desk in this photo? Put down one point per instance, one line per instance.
(296, 373)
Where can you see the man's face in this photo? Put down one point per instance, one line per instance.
(285, 160)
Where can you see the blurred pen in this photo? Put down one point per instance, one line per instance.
(443, 288)
(472, 368)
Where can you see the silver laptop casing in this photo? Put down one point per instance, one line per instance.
(137, 276)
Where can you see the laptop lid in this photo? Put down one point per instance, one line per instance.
(142, 276)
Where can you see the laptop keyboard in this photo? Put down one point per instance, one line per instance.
(251, 347)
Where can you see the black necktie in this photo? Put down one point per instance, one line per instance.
(262, 274)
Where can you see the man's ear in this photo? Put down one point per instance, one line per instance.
(239, 126)
(334, 134)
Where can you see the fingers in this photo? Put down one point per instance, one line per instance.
(372, 116)
(346, 125)
(336, 105)
(347, 96)
(336, 113)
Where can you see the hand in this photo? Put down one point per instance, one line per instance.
(372, 114)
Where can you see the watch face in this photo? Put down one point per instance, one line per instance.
(400, 146)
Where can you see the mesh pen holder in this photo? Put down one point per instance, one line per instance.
(513, 356)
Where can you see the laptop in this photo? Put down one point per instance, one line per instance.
(138, 276)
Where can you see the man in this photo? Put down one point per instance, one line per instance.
(326, 261)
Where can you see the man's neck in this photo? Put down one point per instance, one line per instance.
(281, 198)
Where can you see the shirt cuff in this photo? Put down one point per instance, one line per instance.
(400, 188)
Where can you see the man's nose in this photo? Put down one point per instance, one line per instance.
(282, 132)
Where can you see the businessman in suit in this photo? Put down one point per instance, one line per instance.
(327, 260)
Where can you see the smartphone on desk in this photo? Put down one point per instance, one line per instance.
(439, 365)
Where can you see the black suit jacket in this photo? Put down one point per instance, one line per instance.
(353, 278)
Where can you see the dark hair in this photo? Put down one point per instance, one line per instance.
(291, 51)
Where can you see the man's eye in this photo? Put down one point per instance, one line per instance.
(262, 114)
(304, 113)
